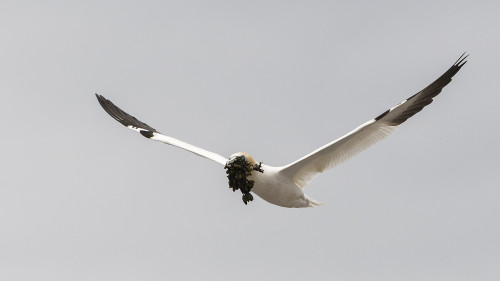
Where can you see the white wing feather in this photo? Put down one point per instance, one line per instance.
(305, 169)
(338, 151)
(194, 149)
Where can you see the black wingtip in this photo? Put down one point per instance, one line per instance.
(123, 117)
(425, 96)
(461, 60)
(102, 100)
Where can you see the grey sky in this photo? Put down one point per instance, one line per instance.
(83, 198)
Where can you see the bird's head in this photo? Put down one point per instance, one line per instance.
(246, 157)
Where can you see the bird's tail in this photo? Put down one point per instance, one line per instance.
(312, 202)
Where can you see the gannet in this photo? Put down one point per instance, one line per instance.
(283, 186)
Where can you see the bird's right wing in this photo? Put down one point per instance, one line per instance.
(150, 133)
(369, 133)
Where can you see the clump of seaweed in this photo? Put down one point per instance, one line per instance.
(238, 170)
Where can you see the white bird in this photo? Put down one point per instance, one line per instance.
(283, 186)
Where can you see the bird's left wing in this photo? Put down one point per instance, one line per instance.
(150, 133)
(369, 133)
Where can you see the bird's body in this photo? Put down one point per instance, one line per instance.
(274, 186)
(283, 186)
(277, 188)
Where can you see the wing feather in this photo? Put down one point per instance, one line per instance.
(149, 132)
(306, 168)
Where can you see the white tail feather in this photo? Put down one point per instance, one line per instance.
(312, 202)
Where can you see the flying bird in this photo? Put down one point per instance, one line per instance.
(283, 186)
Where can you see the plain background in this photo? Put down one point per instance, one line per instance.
(83, 198)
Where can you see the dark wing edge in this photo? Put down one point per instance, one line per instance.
(399, 114)
(124, 118)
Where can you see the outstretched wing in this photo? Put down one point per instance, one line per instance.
(149, 132)
(369, 133)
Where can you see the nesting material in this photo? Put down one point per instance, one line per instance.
(238, 170)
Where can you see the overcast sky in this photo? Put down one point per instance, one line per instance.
(83, 198)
